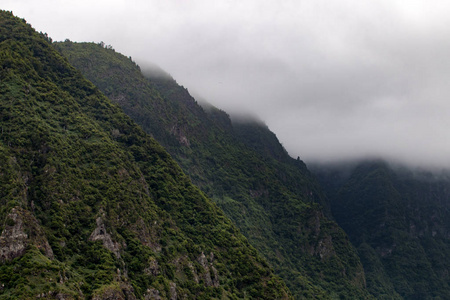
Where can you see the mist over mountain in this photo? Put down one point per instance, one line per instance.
(395, 215)
(271, 197)
(352, 202)
(334, 80)
(92, 207)
(398, 219)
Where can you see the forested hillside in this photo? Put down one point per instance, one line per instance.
(271, 197)
(93, 207)
(399, 220)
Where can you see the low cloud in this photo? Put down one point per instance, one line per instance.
(333, 79)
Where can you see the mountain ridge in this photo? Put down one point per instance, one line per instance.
(91, 206)
(398, 220)
(271, 197)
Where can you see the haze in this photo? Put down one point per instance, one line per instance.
(335, 80)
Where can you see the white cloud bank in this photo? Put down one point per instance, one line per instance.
(333, 79)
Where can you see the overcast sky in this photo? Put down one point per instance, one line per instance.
(333, 79)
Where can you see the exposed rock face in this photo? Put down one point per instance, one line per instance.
(325, 248)
(148, 235)
(319, 243)
(101, 234)
(14, 239)
(193, 271)
(152, 268)
(208, 267)
(120, 98)
(180, 135)
(152, 294)
(173, 291)
(215, 279)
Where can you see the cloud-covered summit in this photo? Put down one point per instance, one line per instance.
(333, 79)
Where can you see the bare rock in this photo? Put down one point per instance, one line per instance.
(173, 291)
(193, 271)
(152, 268)
(100, 234)
(14, 239)
(325, 248)
(148, 235)
(215, 279)
(152, 294)
(180, 135)
(209, 267)
(202, 260)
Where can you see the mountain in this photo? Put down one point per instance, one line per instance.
(91, 206)
(399, 220)
(272, 198)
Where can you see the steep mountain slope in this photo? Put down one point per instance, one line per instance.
(91, 206)
(271, 197)
(400, 222)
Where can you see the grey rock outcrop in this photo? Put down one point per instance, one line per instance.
(100, 234)
(152, 294)
(13, 239)
(209, 267)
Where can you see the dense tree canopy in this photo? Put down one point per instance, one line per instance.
(92, 206)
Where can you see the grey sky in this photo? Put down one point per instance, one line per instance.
(333, 79)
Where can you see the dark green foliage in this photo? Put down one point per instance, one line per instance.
(91, 206)
(271, 197)
(399, 221)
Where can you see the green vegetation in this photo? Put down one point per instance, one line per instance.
(91, 206)
(399, 220)
(271, 197)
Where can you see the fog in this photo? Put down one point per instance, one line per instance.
(335, 80)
